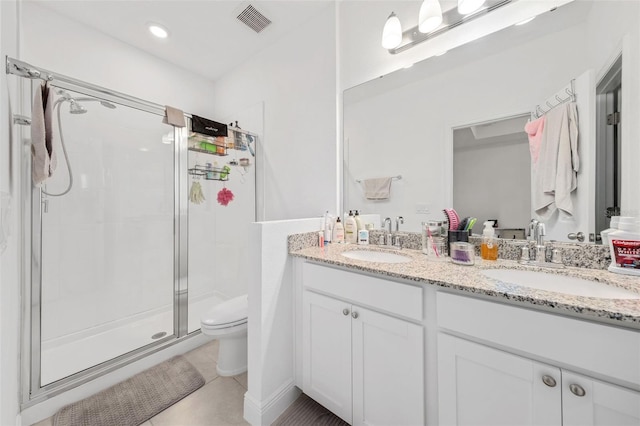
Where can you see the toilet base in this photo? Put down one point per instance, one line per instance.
(232, 355)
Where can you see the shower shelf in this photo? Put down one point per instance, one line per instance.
(215, 173)
(206, 151)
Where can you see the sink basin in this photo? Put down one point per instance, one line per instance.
(376, 256)
(559, 284)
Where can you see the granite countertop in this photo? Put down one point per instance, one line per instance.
(469, 279)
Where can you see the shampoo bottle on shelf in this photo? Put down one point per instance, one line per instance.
(489, 246)
(350, 229)
(338, 231)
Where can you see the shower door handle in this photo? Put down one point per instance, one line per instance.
(45, 205)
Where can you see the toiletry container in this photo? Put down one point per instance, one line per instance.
(359, 225)
(489, 246)
(613, 226)
(338, 231)
(462, 253)
(624, 245)
(363, 237)
(350, 229)
(328, 222)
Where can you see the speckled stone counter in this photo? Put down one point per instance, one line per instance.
(469, 279)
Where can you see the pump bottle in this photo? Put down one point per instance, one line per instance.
(359, 226)
(489, 246)
(338, 231)
(350, 229)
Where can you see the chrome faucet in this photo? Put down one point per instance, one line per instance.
(399, 220)
(387, 221)
(541, 251)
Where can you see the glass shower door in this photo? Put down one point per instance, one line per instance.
(108, 249)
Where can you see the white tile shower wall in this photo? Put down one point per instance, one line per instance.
(296, 80)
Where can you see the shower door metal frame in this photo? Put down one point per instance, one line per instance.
(32, 391)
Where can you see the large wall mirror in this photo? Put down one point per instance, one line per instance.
(422, 123)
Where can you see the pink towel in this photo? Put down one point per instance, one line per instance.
(535, 130)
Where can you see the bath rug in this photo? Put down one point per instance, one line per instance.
(137, 399)
(306, 412)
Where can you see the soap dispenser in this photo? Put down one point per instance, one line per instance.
(489, 246)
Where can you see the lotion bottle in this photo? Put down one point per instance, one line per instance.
(350, 229)
(359, 225)
(489, 246)
(338, 231)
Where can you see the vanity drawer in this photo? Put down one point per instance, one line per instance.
(597, 348)
(393, 297)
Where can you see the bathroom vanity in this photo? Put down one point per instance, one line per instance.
(435, 343)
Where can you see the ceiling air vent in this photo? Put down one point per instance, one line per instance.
(253, 19)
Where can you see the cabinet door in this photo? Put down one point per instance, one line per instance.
(326, 352)
(589, 402)
(478, 385)
(388, 370)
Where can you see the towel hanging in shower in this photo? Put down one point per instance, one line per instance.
(43, 156)
(173, 116)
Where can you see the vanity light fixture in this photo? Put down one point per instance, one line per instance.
(433, 22)
(466, 7)
(430, 16)
(158, 30)
(526, 21)
(392, 32)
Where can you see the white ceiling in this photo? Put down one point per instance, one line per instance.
(205, 36)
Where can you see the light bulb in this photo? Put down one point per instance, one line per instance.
(392, 32)
(466, 7)
(158, 30)
(430, 16)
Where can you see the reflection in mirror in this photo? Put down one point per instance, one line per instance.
(478, 190)
(405, 123)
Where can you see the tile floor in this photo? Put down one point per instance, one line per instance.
(218, 403)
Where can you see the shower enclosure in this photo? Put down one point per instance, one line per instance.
(106, 252)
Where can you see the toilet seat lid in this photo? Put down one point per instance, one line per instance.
(226, 313)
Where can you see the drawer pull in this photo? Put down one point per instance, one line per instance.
(354, 314)
(577, 390)
(549, 381)
(345, 311)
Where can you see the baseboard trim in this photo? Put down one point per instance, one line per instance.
(259, 413)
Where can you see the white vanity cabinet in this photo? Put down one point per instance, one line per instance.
(482, 385)
(360, 358)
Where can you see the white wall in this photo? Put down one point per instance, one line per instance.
(59, 44)
(407, 129)
(296, 80)
(271, 319)
(9, 219)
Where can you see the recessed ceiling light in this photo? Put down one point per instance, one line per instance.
(526, 21)
(158, 30)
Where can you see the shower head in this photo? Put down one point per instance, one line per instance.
(75, 107)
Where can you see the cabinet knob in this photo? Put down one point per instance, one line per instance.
(354, 314)
(577, 390)
(579, 236)
(345, 311)
(549, 381)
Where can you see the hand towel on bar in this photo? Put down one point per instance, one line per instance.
(535, 130)
(43, 156)
(556, 171)
(377, 188)
(174, 116)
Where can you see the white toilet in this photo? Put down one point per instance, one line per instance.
(227, 322)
